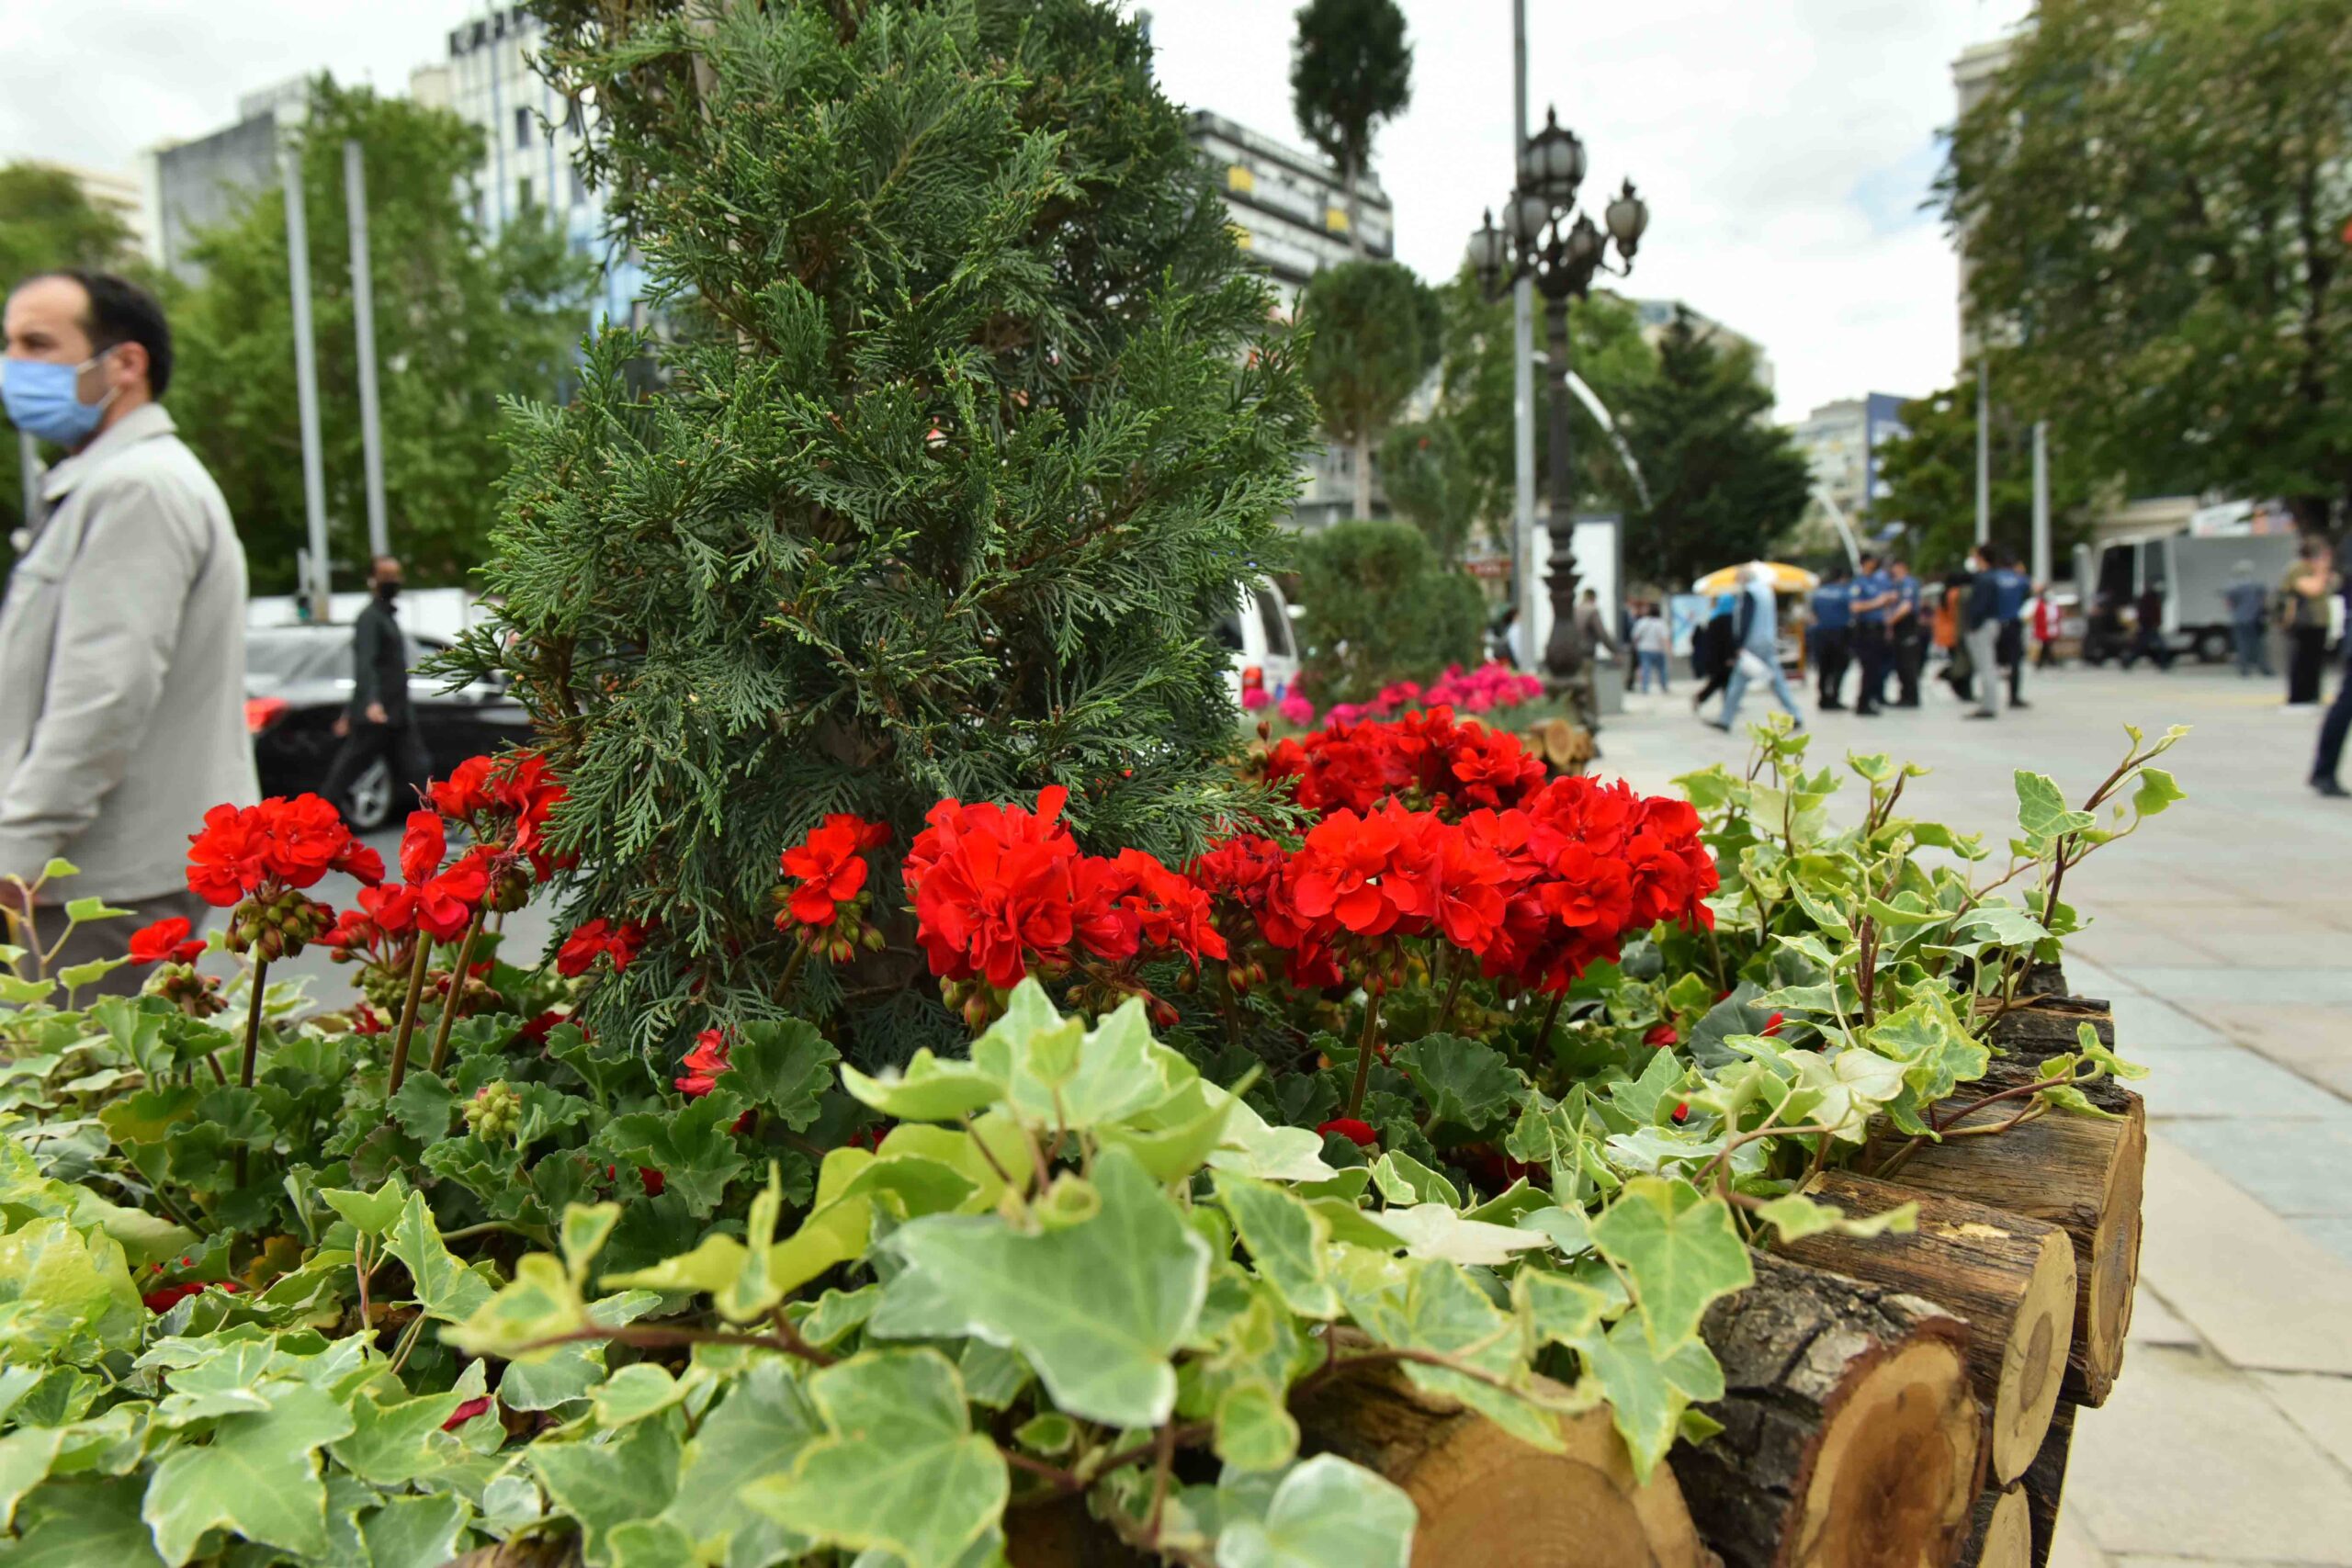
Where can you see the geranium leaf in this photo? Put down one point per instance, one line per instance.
(783, 1066)
(1097, 1308)
(370, 1213)
(899, 1469)
(1325, 1513)
(694, 1148)
(258, 1477)
(422, 1107)
(1679, 1251)
(1465, 1082)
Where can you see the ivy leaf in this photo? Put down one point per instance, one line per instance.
(926, 1089)
(64, 1295)
(1647, 1392)
(1096, 1307)
(1465, 1082)
(1640, 1099)
(2042, 812)
(1255, 1429)
(2156, 791)
(25, 1455)
(74, 1524)
(1680, 1252)
(757, 1430)
(1113, 1070)
(258, 1477)
(693, 1148)
(1796, 1216)
(637, 1391)
(899, 1469)
(1404, 1180)
(605, 1485)
(445, 1289)
(416, 1532)
(782, 1067)
(1326, 1513)
(1286, 1241)
(389, 1439)
(370, 1213)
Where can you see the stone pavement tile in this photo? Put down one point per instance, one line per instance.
(2088, 977)
(2242, 986)
(2189, 1460)
(2113, 943)
(2260, 1292)
(2314, 1041)
(2311, 948)
(2332, 1232)
(2073, 1549)
(2201, 921)
(2294, 1168)
(2321, 1405)
(2224, 1080)
(2146, 1021)
(2153, 1322)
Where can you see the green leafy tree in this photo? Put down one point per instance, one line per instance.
(1374, 330)
(2151, 198)
(47, 221)
(462, 319)
(1724, 481)
(974, 420)
(1605, 350)
(1381, 607)
(1430, 471)
(1351, 69)
(1930, 474)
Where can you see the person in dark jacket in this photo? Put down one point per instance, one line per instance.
(380, 722)
(1714, 647)
(1833, 634)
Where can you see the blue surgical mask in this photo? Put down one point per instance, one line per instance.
(41, 397)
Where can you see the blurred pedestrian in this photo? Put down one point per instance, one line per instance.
(2249, 605)
(1833, 634)
(1906, 635)
(1756, 633)
(1980, 622)
(2332, 731)
(378, 723)
(2148, 631)
(1652, 642)
(1712, 647)
(1592, 635)
(2012, 587)
(2045, 629)
(122, 645)
(1873, 597)
(2310, 585)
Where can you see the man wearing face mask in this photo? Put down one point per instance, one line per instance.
(378, 723)
(122, 647)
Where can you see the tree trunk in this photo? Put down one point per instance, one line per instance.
(1487, 1498)
(1350, 167)
(1850, 1436)
(2045, 1482)
(2080, 1173)
(2011, 1279)
(2000, 1530)
(1363, 473)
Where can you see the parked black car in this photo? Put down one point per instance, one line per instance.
(298, 683)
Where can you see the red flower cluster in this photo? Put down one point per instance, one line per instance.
(505, 801)
(831, 865)
(1424, 759)
(597, 939)
(163, 1298)
(165, 941)
(437, 900)
(999, 890)
(703, 1065)
(277, 845)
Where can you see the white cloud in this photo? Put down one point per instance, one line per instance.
(1780, 143)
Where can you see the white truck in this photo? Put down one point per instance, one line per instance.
(2190, 572)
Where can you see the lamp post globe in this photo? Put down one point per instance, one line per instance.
(1552, 163)
(1627, 215)
(1486, 252)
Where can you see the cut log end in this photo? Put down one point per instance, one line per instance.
(1892, 1481)
(2034, 1363)
(2110, 1264)
(1485, 1497)
(2000, 1532)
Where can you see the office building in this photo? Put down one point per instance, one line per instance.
(205, 181)
(1842, 441)
(1656, 316)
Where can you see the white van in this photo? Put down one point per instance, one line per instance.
(1260, 641)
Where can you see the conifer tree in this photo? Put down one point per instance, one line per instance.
(967, 422)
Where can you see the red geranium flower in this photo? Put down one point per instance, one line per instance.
(593, 939)
(165, 941)
(1662, 1035)
(1357, 1133)
(830, 864)
(703, 1064)
(466, 1412)
(230, 858)
(991, 886)
(163, 1298)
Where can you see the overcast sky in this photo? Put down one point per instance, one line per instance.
(1784, 146)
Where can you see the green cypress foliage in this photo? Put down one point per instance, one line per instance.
(966, 420)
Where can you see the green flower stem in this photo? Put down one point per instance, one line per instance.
(457, 989)
(408, 1014)
(1551, 1017)
(1363, 1054)
(253, 1043)
(791, 973)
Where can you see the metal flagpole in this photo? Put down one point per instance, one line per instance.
(363, 310)
(1522, 382)
(2040, 503)
(1983, 453)
(306, 378)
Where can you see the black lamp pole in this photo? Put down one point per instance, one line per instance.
(1545, 238)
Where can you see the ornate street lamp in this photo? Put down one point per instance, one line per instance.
(1545, 238)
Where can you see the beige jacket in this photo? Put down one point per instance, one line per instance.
(122, 667)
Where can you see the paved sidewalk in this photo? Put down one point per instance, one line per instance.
(2223, 936)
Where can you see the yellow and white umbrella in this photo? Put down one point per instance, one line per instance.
(1786, 578)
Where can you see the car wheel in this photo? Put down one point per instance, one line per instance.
(2212, 646)
(370, 805)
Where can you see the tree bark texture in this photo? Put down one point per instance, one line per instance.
(2000, 1530)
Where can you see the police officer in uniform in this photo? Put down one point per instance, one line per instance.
(2011, 589)
(1874, 596)
(1833, 634)
(1907, 635)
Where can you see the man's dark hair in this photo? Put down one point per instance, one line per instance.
(1869, 560)
(120, 312)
